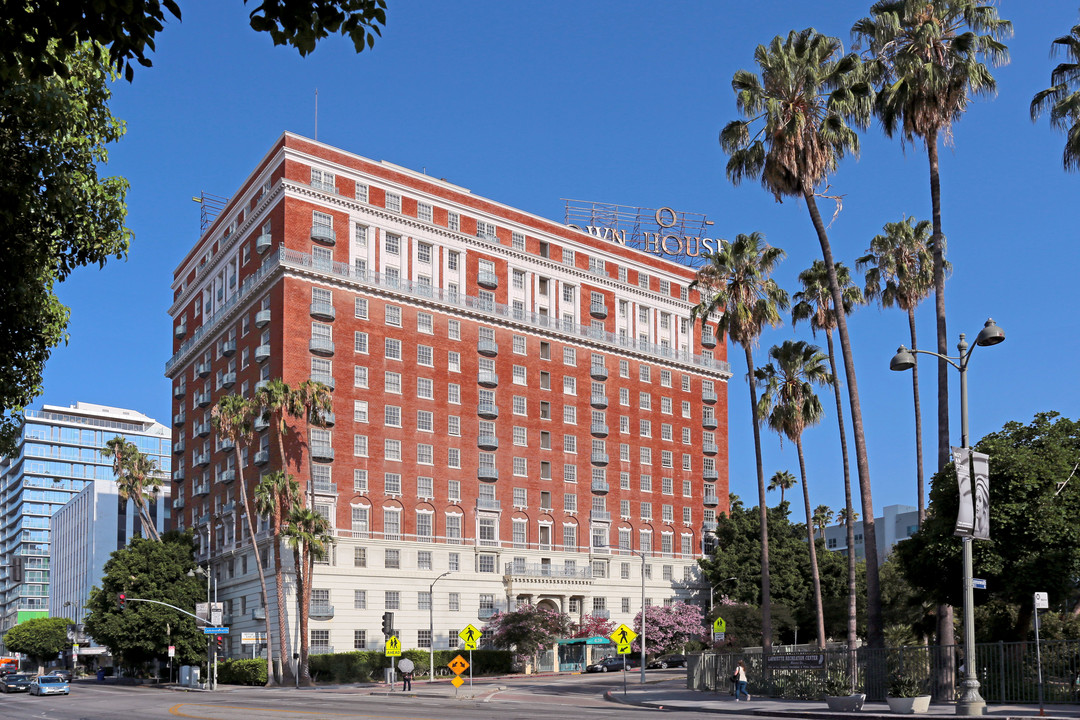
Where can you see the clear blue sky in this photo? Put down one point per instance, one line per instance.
(617, 101)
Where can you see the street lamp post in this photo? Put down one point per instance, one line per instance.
(431, 626)
(970, 701)
(713, 588)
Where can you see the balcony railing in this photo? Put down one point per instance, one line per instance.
(487, 410)
(201, 490)
(545, 570)
(260, 423)
(598, 372)
(708, 526)
(710, 474)
(325, 488)
(487, 279)
(228, 348)
(294, 259)
(227, 476)
(201, 429)
(322, 311)
(181, 330)
(710, 501)
(262, 457)
(600, 487)
(487, 472)
(709, 423)
(262, 244)
(598, 310)
(322, 452)
(710, 448)
(487, 378)
(179, 418)
(321, 611)
(323, 234)
(599, 516)
(321, 346)
(599, 429)
(487, 442)
(228, 380)
(487, 504)
(708, 396)
(598, 401)
(262, 318)
(487, 347)
(202, 369)
(180, 390)
(320, 649)
(599, 458)
(325, 378)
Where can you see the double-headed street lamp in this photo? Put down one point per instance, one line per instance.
(970, 701)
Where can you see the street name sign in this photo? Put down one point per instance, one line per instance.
(215, 631)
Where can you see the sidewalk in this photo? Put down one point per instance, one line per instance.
(670, 698)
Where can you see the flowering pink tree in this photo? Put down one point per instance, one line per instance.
(669, 628)
(527, 629)
(591, 626)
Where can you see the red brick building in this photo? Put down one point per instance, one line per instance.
(514, 401)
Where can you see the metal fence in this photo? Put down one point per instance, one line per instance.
(1007, 672)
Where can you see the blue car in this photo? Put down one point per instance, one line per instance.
(49, 685)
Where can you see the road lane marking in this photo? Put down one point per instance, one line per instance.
(284, 714)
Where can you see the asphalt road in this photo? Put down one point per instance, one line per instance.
(520, 699)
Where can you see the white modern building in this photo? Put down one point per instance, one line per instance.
(59, 455)
(896, 523)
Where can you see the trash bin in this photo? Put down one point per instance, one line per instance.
(101, 675)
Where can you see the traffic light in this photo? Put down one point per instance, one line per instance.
(388, 624)
(121, 601)
(220, 645)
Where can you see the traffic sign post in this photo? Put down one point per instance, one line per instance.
(458, 665)
(470, 636)
(393, 646)
(623, 637)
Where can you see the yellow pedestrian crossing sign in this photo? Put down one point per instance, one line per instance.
(470, 636)
(393, 647)
(623, 635)
(719, 625)
(624, 648)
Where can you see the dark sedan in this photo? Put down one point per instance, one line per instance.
(615, 663)
(16, 682)
(666, 661)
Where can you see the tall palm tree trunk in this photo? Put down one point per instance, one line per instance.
(874, 629)
(763, 512)
(306, 565)
(918, 420)
(849, 525)
(814, 574)
(286, 671)
(945, 631)
(270, 681)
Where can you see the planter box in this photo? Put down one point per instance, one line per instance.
(845, 703)
(909, 706)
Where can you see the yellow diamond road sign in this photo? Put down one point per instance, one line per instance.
(623, 634)
(719, 625)
(393, 647)
(458, 665)
(470, 636)
(457, 681)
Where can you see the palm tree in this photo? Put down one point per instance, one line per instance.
(310, 535)
(900, 271)
(842, 517)
(136, 475)
(277, 402)
(925, 58)
(789, 406)
(736, 283)
(782, 480)
(823, 515)
(231, 417)
(275, 493)
(1062, 98)
(315, 400)
(814, 304)
(802, 102)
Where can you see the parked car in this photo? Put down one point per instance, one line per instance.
(49, 685)
(615, 663)
(15, 682)
(666, 661)
(61, 673)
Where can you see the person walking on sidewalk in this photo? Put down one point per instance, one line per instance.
(406, 681)
(740, 681)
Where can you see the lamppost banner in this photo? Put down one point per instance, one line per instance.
(973, 482)
(965, 520)
(980, 467)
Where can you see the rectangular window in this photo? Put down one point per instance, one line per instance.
(392, 382)
(393, 202)
(392, 349)
(569, 356)
(425, 388)
(359, 599)
(393, 315)
(392, 600)
(392, 483)
(453, 394)
(361, 308)
(360, 445)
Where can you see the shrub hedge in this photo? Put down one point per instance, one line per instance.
(242, 672)
(368, 665)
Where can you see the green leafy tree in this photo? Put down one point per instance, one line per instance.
(527, 629)
(736, 285)
(789, 405)
(899, 269)
(1062, 99)
(1033, 515)
(794, 134)
(56, 213)
(782, 480)
(814, 304)
(231, 417)
(35, 36)
(136, 477)
(40, 638)
(149, 570)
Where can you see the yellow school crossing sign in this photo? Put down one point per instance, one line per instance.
(719, 625)
(623, 635)
(393, 647)
(470, 636)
